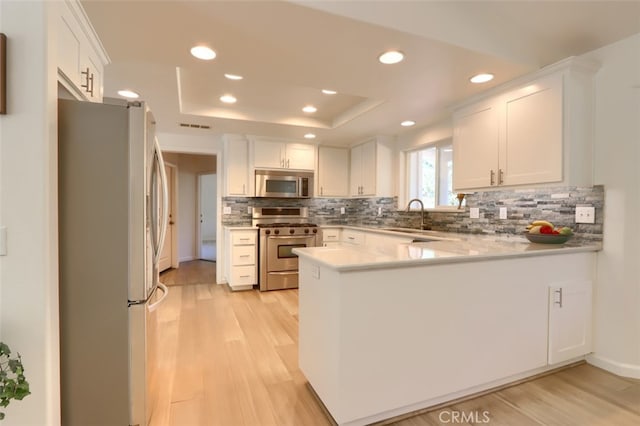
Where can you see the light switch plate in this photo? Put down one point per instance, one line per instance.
(503, 212)
(585, 214)
(249, 209)
(379, 211)
(474, 213)
(342, 210)
(226, 210)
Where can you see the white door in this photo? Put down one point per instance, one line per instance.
(207, 215)
(166, 255)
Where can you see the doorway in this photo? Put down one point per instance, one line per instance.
(169, 253)
(207, 216)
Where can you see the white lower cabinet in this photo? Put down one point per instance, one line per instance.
(330, 237)
(570, 320)
(241, 254)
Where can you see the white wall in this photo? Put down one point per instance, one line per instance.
(617, 154)
(189, 165)
(28, 208)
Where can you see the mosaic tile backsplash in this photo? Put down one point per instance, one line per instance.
(556, 205)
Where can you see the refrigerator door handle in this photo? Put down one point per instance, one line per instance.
(164, 216)
(165, 291)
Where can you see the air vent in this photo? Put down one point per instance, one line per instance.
(195, 126)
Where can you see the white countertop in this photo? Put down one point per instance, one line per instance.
(453, 248)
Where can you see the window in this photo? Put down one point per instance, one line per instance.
(430, 176)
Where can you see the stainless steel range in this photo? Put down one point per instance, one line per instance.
(282, 229)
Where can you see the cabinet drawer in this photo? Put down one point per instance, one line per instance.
(243, 275)
(243, 237)
(330, 235)
(244, 255)
(353, 237)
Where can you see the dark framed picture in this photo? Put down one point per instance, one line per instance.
(3, 74)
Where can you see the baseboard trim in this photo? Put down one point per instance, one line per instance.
(615, 367)
(187, 259)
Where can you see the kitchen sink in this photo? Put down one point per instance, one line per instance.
(407, 230)
(425, 236)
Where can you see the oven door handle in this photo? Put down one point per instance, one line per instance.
(288, 237)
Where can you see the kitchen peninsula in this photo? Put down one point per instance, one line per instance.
(390, 327)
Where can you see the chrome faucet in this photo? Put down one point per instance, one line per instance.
(421, 210)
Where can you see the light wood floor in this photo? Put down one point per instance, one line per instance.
(231, 359)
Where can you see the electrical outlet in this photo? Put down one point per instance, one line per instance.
(474, 213)
(585, 215)
(249, 209)
(503, 212)
(226, 210)
(3, 240)
(342, 210)
(379, 211)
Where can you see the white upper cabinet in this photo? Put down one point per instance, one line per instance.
(535, 130)
(236, 166)
(81, 57)
(273, 154)
(371, 169)
(475, 154)
(333, 172)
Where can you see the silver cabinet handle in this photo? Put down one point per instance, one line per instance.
(243, 189)
(244, 255)
(288, 161)
(321, 191)
(244, 276)
(492, 177)
(88, 86)
(500, 177)
(559, 301)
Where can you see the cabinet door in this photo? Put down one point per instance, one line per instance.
(355, 176)
(69, 45)
(333, 172)
(268, 154)
(531, 147)
(300, 156)
(475, 148)
(569, 321)
(369, 169)
(237, 167)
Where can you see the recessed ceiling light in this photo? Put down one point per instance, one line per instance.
(329, 92)
(203, 52)
(481, 78)
(233, 76)
(130, 94)
(408, 123)
(309, 109)
(228, 99)
(309, 136)
(391, 57)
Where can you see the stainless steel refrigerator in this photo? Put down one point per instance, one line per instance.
(112, 221)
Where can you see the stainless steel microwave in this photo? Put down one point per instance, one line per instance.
(284, 184)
